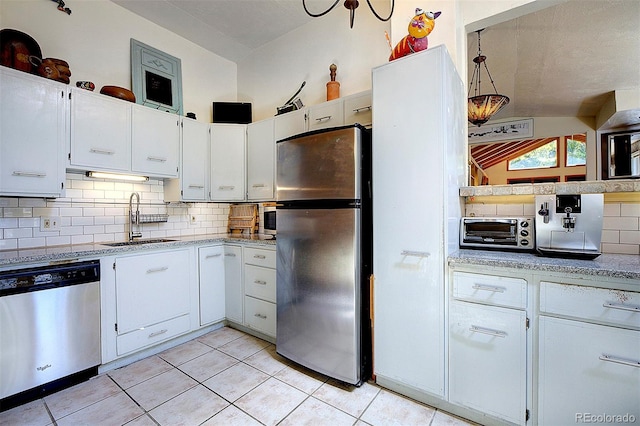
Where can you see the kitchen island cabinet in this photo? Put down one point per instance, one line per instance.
(488, 326)
(32, 139)
(418, 165)
(589, 352)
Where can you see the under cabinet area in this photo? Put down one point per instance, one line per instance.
(152, 298)
(488, 344)
(32, 136)
(589, 352)
(260, 290)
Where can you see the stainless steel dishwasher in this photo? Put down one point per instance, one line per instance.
(49, 329)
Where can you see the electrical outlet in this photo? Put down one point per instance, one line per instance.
(49, 223)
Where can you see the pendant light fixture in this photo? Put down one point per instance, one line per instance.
(483, 107)
(352, 5)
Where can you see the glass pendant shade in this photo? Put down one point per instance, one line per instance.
(483, 107)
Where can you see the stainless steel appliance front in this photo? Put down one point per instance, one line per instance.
(324, 252)
(505, 233)
(49, 326)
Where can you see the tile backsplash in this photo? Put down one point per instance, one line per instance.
(621, 222)
(97, 211)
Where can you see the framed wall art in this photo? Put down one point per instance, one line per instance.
(519, 129)
(156, 78)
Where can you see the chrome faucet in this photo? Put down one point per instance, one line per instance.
(134, 218)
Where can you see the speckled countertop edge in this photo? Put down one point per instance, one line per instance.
(624, 266)
(96, 250)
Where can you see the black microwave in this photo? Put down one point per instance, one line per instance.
(269, 220)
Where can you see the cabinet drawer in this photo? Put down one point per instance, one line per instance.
(587, 368)
(487, 359)
(616, 307)
(357, 109)
(260, 257)
(260, 315)
(151, 335)
(490, 289)
(260, 282)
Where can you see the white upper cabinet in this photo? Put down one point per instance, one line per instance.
(155, 142)
(228, 143)
(32, 123)
(289, 124)
(191, 184)
(261, 160)
(100, 132)
(326, 114)
(357, 109)
(115, 135)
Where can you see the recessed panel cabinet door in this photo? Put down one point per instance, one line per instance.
(228, 162)
(32, 130)
(234, 291)
(100, 132)
(195, 159)
(211, 266)
(155, 142)
(261, 160)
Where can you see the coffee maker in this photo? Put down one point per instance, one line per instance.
(569, 225)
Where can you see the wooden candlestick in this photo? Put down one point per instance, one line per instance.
(333, 87)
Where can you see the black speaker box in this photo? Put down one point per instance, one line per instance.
(232, 112)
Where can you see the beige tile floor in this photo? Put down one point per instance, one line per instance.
(225, 377)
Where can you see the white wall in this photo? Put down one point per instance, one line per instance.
(95, 41)
(274, 72)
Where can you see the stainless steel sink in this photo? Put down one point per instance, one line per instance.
(138, 242)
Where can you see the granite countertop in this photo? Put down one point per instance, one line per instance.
(69, 252)
(625, 266)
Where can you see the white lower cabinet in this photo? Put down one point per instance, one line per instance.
(211, 269)
(589, 354)
(152, 298)
(260, 290)
(488, 359)
(233, 288)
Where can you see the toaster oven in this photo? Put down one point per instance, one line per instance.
(505, 233)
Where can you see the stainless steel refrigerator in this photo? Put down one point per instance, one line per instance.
(324, 251)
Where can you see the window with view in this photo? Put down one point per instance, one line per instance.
(544, 156)
(576, 150)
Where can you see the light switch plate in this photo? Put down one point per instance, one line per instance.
(49, 223)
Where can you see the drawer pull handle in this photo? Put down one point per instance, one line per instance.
(259, 185)
(367, 108)
(259, 256)
(196, 186)
(611, 358)
(260, 316)
(158, 159)
(157, 333)
(213, 255)
(489, 331)
(101, 151)
(161, 269)
(230, 254)
(622, 307)
(28, 174)
(414, 253)
(226, 187)
(321, 119)
(492, 288)
(260, 282)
